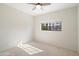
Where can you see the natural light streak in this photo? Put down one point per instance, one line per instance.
(29, 49)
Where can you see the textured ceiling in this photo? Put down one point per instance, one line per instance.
(27, 8)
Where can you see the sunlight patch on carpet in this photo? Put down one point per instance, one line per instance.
(29, 49)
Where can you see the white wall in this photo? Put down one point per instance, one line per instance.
(78, 28)
(67, 38)
(14, 26)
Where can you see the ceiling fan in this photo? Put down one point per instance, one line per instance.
(39, 5)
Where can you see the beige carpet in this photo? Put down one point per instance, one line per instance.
(48, 50)
(28, 48)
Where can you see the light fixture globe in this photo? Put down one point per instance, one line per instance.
(38, 7)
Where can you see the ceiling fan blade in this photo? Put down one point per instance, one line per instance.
(45, 4)
(32, 3)
(34, 8)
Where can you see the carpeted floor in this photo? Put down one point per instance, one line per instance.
(47, 50)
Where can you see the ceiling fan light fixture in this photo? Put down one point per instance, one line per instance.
(38, 7)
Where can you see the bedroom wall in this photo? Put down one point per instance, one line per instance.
(78, 28)
(14, 26)
(67, 38)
